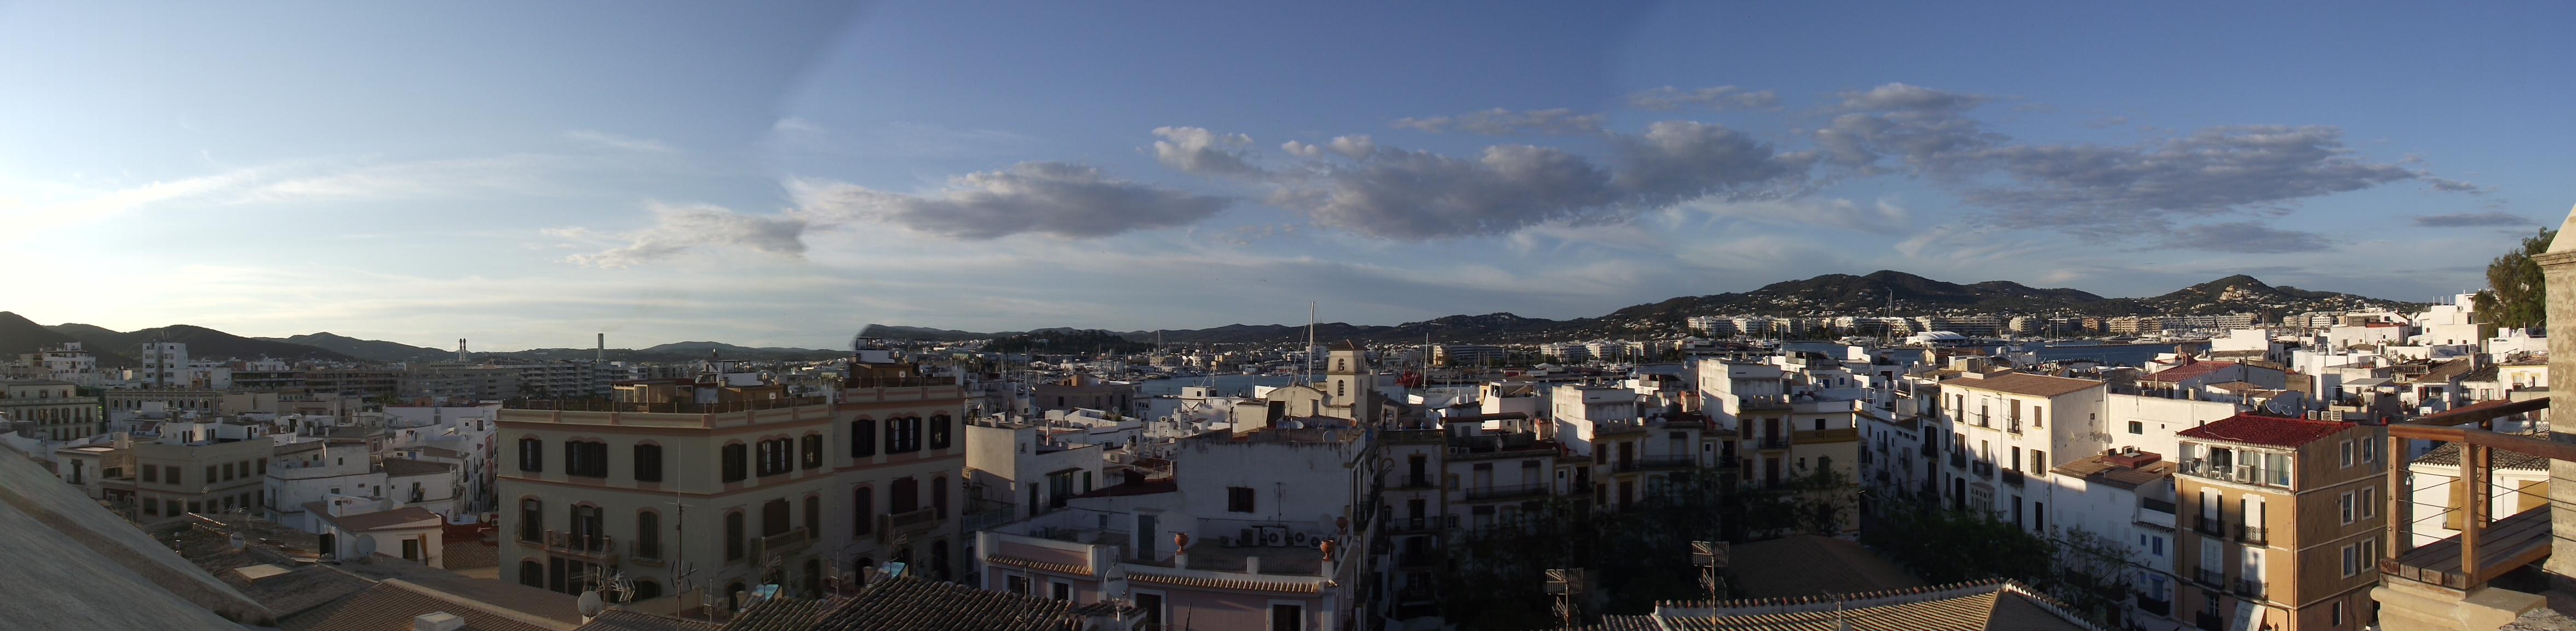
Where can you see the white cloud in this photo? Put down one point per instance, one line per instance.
(1197, 150)
(1503, 122)
(1720, 98)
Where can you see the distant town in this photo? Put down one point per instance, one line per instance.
(2192, 470)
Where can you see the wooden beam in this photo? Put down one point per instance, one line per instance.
(2401, 501)
(2508, 442)
(2482, 412)
(2475, 472)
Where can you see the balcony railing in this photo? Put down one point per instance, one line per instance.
(2155, 607)
(2252, 534)
(909, 522)
(2210, 577)
(1413, 483)
(601, 547)
(1771, 442)
(1981, 468)
(2157, 505)
(2012, 478)
(2013, 426)
(1657, 463)
(782, 543)
(2205, 620)
(1958, 460)
(2249, 588)
(1483, 493)
(2208, 525)
(1413, 525)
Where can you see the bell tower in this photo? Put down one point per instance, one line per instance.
(1349, 387)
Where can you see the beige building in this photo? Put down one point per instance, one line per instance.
(736, 487)
(51, 410)
(2282, 523)
(206, 467)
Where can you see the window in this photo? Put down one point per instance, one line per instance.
(172, 473)
(648, 463)
(863, 438)
(2345, 448)
(939, 431)
(733, 536)
(2015, 464)
(2369, 501)
(734, 466)
(587, 459)
(773, 518)
(210, 474)
(2038, 463)
(777, 456)
(228, 471)
(532, 455)
(2369, 450)
(532, 520)
(813, 516)
(1153, 606)
(153, 474)
(263, 466)
(903, 435)
(1016, 584)
(2137, 427)
(939, 495)
(2335, 614)
(648, 535)
(532, 574)
(2351, 559)
(1238, 499)
(864, 504)
(1061, 591)
(2344, 508)
(813, 451)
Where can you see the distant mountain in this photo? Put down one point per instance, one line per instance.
(19, 336)
(675, 352)
(203, 343)
(1845, 294)
(2242, 293)
(370, 350)
(925, 334)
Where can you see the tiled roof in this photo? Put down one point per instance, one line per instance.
(1992, 605)
(914, 604)
(2270, 431)
(2449, 455)
(404, 517)
(2104, 469)
(2025, 383)
(1810, 565)
(532, 601)
(1042, 566)
(781, 614)
(391, 605)
(627, 620)
(1225, 584)
(2186, 371)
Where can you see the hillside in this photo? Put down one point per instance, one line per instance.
(370, 350)
(2242, 293)
(19, 336)
(203, 343)
(674, 352)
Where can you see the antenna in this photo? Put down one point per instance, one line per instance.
(1310, 342)
(1565, 588)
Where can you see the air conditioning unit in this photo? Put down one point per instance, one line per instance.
(1274, 536)
(2243, 473)
(1298, 539)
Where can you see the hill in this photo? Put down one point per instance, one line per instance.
(370, 350)
(674, 352)
(18, 336)
(2242, 293)
(203, 343)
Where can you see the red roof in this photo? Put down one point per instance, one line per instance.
(2186, 371)
(2272, 431)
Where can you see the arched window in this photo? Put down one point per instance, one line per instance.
(939, 431)
(864, 505)
(532, 454)
(773, 518)
(648, 462)
(532, 574)
(939, 495)
(736, 465)
(863, 438)
(648, 534)
(733, 537)
(532, 519)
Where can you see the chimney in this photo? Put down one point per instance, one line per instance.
(460, 350)
(437, 621)
(602, 358)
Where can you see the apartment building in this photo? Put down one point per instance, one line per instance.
(194, 467)
(2284, 523)
(2003, 427)
(2125, 499)
(736, 484)
(51, 410)
(126, 403)
(1414, 505)
(1017, 470)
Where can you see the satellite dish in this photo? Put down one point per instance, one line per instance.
(591, 604)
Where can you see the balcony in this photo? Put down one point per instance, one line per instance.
(2155, 607)
(1836, 435)
(782, 543)
(1981, 468)
(2254, 535)
(2012, 478)
(1513, 491)
(1657, 463)
(2013, 426)
(1771, 442)
(911, 522)
(2210, 577)
(2206, 620)
(1413, 483)
(1413, 525)
(1958, 460)
(2208, 525)
(601, 548)
(2155, 512)
(2250, 589)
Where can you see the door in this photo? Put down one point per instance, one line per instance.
(1146, 537)
(411, 549)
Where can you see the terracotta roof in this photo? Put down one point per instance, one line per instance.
(1224, 584)
(1998, 605)
(628, 620)
(391, 605)
(404, 466)
(2109, 470)
(1810, 565)
(536, 602)
(2449, 455)
(781, 614)
(1042, 566)
(2186, 371)
(2270, 431)
(915, 604)
(2025, 383)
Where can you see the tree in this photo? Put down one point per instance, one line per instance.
(2516, 295)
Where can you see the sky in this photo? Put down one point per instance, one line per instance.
(780, 174)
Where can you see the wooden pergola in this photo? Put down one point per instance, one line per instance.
(2486, 548)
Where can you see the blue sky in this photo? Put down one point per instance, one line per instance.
(780, 174)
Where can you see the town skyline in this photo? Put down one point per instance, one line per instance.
(753, 177)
